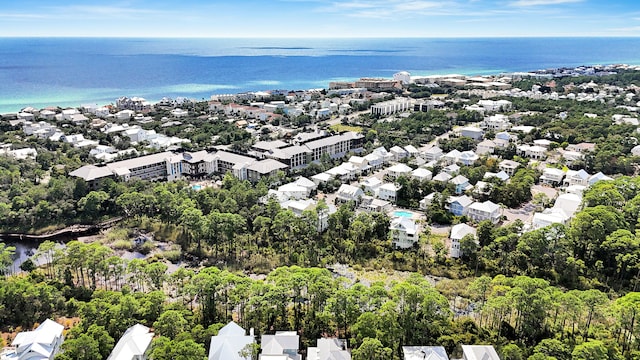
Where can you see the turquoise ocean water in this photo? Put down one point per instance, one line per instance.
(42, 72)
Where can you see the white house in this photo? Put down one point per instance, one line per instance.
(459, 231)
(329, 349)
(472, 132)
(442, 177)
(498, 122)
(479, 352)
(133, 344)
(485, 147)
(468, 158)
(535, 152)
(282, 343)
(179, 113)
(548, 217)
(374, 161)
(424, 353)
(434, 153)
(398, 153)
(552, 176)
(500, 175)
(404, 232)
(42, 343)
(361, 163)
(451, 157)
(231, 339)
(422, 174)
(580, 177)
(426, 201)
(398, 170)
(484, 211)
(411, 150)
(388, 192)
(293, 191)
(348, 193)
(508, 166)
(371, 184)
(598, 177)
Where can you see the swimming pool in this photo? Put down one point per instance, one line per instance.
(402, 213)
(196, 187)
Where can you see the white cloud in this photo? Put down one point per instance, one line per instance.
(387, 9)
(527, 3)
(22, 16)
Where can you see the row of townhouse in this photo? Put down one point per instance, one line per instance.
(170, 166)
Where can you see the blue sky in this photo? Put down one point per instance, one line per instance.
(320, 18)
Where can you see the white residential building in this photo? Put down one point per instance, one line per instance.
(231, 339)
(498, 122)
(392, 106)
(43, 343)
(422, 174)
(484, 211)
(133, 344)
(348, 193)
(508, 166)
(404, 232)
(580, 177)
(434, 153)
(459, 231)
(552, 176)
(468, 158)
(486, 147)
(472, 132)
(479, 352)
(329, 349)
(282, 343)
(388, 192)
(398, 153)
(535, 152)
(398, 170)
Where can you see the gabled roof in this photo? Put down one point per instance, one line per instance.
(459, 180)
(227, 344)
(329, 349)
(404, 224)
(282, 340)
(400, 168)
(40, 341)
(421, 172)
(463, 200)
(91, 172)
(346, 189)
(304, 182)
(487, 206)
(458, 231)
(424, 353)
(479, 352)
(134, 342)
(442, 177)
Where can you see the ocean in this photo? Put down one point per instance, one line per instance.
(43, 72)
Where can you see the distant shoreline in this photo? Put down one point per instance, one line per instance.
(73, 71)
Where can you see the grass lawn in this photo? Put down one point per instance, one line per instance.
(340, 128)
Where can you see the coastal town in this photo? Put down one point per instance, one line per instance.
(460, 168)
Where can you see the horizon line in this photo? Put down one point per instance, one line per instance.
(316, 37)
